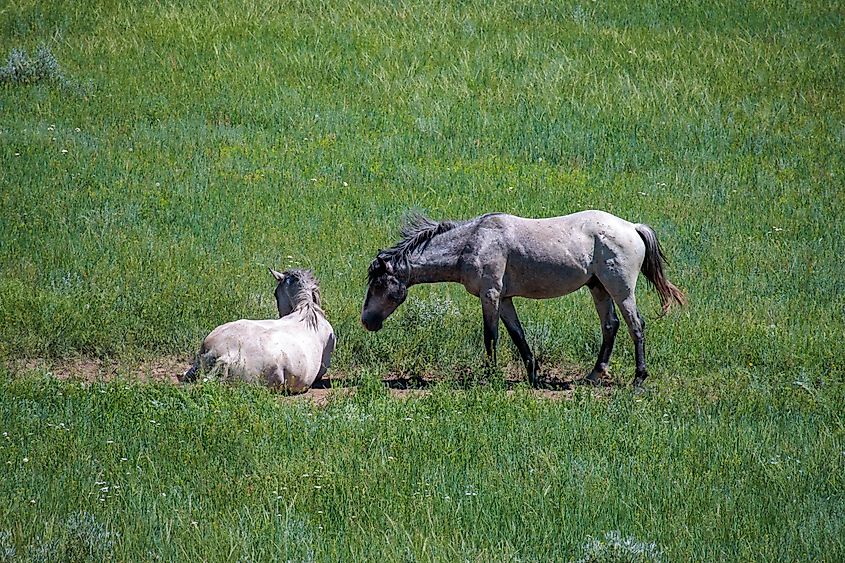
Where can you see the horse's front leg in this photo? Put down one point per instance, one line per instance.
(490, 311)
(511, 320)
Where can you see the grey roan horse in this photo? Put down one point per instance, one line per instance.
(498, 257)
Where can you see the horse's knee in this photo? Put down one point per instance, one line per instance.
(611, 326)
(491, 296)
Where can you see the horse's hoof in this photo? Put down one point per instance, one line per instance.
(595, 377)
(638, 382)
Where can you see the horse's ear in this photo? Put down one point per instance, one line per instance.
(386, 264)
(278, 275)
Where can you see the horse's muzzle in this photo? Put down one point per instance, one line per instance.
(373, 325)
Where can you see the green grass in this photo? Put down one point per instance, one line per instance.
(214, 142)
(235, 474)
(204, 143)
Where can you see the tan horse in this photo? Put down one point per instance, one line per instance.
(290, 353)
(497, 257)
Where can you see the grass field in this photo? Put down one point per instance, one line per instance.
(235, 474)
(182, 148)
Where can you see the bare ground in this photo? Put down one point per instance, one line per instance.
(557, 383)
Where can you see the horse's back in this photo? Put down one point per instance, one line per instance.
(272, 351)
(553, 256)
(587, 221)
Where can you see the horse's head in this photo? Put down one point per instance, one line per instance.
(293, 288)
(386, 290)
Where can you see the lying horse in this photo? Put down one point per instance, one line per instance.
(290, 353)
(498, 257)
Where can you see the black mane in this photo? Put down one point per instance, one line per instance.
(417, 231)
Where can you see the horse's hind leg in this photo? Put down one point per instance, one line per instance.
(622, 292)
(609, 326)
(636, 327)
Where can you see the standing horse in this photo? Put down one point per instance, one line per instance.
(290, 352)
(498, 257)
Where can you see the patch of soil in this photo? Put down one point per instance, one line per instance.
(164, 368)
(556, 382)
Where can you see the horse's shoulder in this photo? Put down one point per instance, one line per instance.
(495, 221)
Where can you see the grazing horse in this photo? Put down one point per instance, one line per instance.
(498, 257)
(290, 352)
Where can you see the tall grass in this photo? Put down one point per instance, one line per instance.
(217, 140)
(211, 141)
(142, 472)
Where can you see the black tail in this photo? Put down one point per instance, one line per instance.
(653, 269)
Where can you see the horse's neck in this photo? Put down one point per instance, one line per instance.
(439, 260)
(308, 314)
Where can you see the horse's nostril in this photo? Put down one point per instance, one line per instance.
(370, 325)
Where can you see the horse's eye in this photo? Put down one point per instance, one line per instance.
(288, 281)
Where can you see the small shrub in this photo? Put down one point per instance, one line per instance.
(298, 539)
(7, 546)
(22, 69)
(428, 312)
(83, 539)
(540, 338)
(43, 551)
(616, 549)
(86, 536)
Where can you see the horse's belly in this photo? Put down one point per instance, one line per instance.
(301, 362)
(293, 371)
(544, 281)
(544, 292)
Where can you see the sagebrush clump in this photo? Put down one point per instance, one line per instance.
(7, 546)
(21, 68)
(616, 549)
(82, 538)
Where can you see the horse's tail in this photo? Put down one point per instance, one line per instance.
(652, 268)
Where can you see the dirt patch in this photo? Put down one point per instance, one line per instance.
(164, 368)
(321, 396)
(557, 383)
